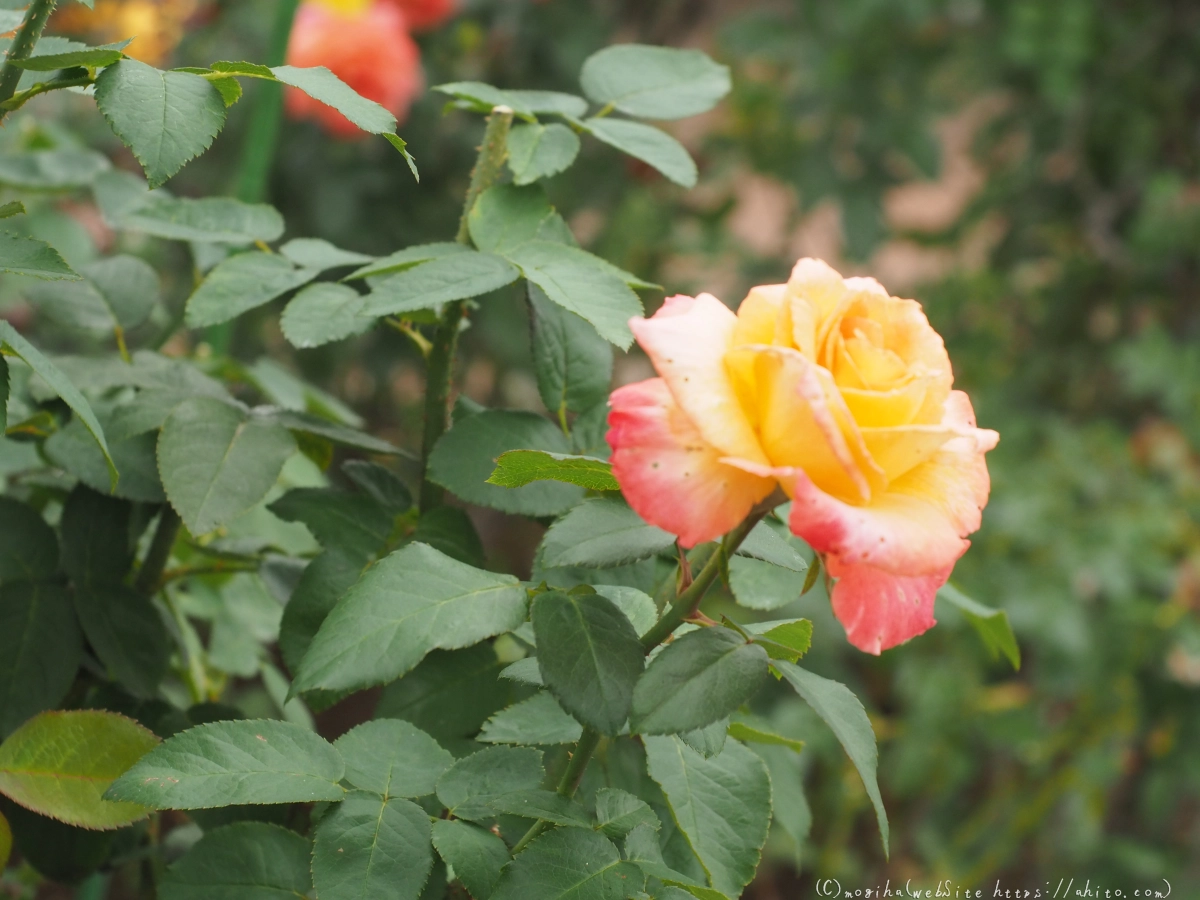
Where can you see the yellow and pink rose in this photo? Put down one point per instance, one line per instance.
(838, 393)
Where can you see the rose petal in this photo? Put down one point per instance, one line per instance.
(802, 421)
(669, 473)
(686, 341)
(880, 610)
(919, 524)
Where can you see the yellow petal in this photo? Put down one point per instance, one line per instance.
(758, 315)
(899, 450)
(801, 420)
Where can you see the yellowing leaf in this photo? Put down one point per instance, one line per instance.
(60, 764)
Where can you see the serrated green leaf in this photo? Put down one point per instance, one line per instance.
(127, 634)
(409, 603)
(321, 426)
(471, 784)
(216, 462)
(525, 670)
(314, 253)
(165, 118)
(231, 762)
(354, 525)
(539, 151)
(542, 804)
(992, 625)
(59, 764)
(91, 57)
(238, 67)
(243, 861)
(324, 581)
(381, 483)
(56, 169)
(322, 85)
(618, 812)
(464, 459)
(637, 605)
(392, 758)
(324, 312)
(450, 694)
(407, 258)
(476, 855)
(28, 546)
(12, 208)
(722, 805)
(536, 721)
(126, 203)
(74, 450)
(569, 864)
(763, 585)
(709, 740)
(369, 847)
(230, 90)
(696, 680)
(581, 283)
(654, 82)
(37, 259)
(791, 810)
(844, 714)
(589, 655)
(483, 97)
(651, 145)
(401, 146)
(117, 293)
(765, 543)
(602, 531)
(460, 276)
(643, 850)
(240, 284)
(789, 640)
(573, 364)
(507, 216)
(517, 468)
(539, 102)
(40, 649)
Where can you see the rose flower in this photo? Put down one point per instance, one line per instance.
(836, 392)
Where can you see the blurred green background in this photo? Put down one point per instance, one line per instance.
(1030, 171)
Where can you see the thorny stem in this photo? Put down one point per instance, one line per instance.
(488, 167)
(684, 607)
(22, 47)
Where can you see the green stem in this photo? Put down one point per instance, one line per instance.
(266, 114)
(684, 606)
(689, 599)
(43, 87)
(582, 755)
(440, 369)
(150, 575)
(22, 46)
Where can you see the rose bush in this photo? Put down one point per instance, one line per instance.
(839, 394)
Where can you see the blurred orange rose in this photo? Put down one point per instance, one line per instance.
(368, 48)
(422, 15)
(156, 26)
